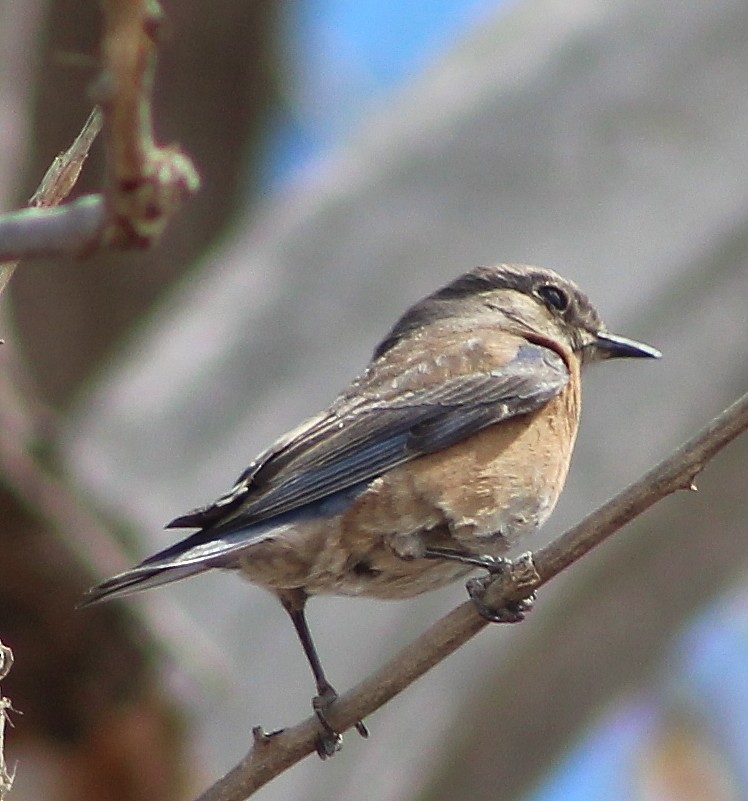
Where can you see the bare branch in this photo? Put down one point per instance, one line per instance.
(63, 173)
(272, 754)
(38, 230)
(6, 662)
(147, 183)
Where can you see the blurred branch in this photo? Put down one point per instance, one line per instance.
(27, 427)
(274, 753)
(63, 172)
(6, 662)
(146, 183)
(25, 231)
(89, 688)
(30, 233)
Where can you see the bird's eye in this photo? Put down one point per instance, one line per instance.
(554, 296)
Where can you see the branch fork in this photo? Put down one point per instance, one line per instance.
(146, 183)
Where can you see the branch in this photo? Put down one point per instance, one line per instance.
(27, 428)
(35, 232)
(6, 779)
(272, 754)
(62, 174)
(147, 184)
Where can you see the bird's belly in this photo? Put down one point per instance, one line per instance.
(383, 574)
(322, 558)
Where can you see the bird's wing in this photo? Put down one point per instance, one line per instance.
(377, 427)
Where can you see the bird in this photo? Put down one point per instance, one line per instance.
(452, 445)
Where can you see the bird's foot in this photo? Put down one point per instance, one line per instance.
(329, 741)
(510, 612)
(517, 575)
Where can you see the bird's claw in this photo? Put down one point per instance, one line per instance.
(510, 612)
(519, 576)
(329, 741)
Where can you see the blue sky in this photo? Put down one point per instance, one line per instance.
(342, 55)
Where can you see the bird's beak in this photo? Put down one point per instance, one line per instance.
(611, 346)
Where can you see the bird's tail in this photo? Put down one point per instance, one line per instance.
(142, 577)
(201, 551)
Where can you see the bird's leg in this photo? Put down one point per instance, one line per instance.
(493, 564)
(511, 612)
(329, 741)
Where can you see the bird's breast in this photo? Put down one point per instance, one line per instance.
(506, 483)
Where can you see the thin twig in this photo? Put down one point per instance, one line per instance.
(6, 779)
(62, 174)
(272, 754)
(23, 230)
(23, 423)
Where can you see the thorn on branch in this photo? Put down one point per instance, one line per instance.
(689, 482)
(262, 738)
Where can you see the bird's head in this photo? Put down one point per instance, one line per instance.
(532, 302)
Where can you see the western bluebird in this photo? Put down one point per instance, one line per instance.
(451, 445)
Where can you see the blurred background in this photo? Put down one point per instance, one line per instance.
(354, 156)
